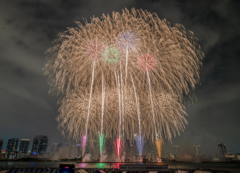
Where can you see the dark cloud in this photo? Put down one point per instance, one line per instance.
(28, 28)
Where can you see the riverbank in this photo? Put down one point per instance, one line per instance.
(175, 165)
(111, 170)
(80, 161)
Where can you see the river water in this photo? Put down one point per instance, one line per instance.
(219, 166)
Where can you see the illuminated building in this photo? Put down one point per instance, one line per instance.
(1, 143)
(187, 156)
(196, 151)
(24, 146)
(3, 154)
(221, 151)
(238, 156)
(12, 145)
(177, 151)
(230, 157)
(40, 144)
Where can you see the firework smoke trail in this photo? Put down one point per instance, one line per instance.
(103, 98)
(120, 89)
(89, 104)
(139, 139)
(139, 120)
(101, 135)
(118, 143)
(150, 91)
(126, 65)
(123, 98)
(119, 96)
(90, 97)
(137, 103)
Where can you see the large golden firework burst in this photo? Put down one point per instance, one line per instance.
(115, 47)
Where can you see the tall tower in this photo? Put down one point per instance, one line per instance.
(196, 151)
(12, 145)
(221, 150)
(1, 143)
(24, 146)
(40, 144)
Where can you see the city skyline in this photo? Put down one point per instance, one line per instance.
(28, 28)
(177, 151)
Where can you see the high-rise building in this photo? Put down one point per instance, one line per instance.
(177, 151)
(221, 151)
(12, 145)
(40, 144)
(1, 143)
(24, 146)
(238, 156)
(196, 151)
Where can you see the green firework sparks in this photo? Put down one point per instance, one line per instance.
(111, 55)
(101, 138)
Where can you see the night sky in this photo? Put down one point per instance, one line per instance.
(28, 28)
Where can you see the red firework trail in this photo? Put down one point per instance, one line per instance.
(118, 146)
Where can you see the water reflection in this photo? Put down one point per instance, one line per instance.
(101, 165)
(179, 165)
(116, 165)
(82, 165)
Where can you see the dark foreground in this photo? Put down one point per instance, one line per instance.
(109, 170)
(52, 167)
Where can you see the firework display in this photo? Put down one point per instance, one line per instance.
(101, 139)
(158, 143)
(118, 146)
(124, 74)
(146, 62)
(83, 143)
(111, 55)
